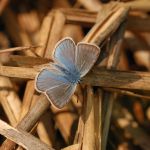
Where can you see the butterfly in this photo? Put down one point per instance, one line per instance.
(58, 81)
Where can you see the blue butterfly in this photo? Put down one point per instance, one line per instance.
(58, 81)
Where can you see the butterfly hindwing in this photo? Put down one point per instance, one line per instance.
(61, 95)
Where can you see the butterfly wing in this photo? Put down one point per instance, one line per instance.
(53, 82)
(64, 54)
(86, 56)
(61, 95)
(49, 77)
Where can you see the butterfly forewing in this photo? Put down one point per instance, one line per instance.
(65, 54)
(86, 56)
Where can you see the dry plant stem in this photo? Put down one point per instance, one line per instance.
(27, 95)
(117, 79)
(9, 100)
(129, 93)
(88, 18)
(79, 16)
(22, 138)
(101, 31)
(98, 118)
(27, 61)
(29, 121)
(45, 128)
(88, 117)
(21, 48)
(45, 33)
(108, 99)
(55, 34)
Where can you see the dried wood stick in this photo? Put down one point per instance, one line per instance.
(55, 34)
(45, 33)
(27, 95)
(27, 61)
(108, 98)
(79, 16)
(9, 100)
(89, 134)
(21, 48)
(22, 138)
(97, 35)
(45, 128)
(98, 118)
(117, 79)
(29, 121)
(88, 18)
(129, 93)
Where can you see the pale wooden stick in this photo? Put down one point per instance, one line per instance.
(55, 34)
(89, 135)
(22, 138)
(45, 33)
(98, 35)
(98, 118)
(27, 95)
